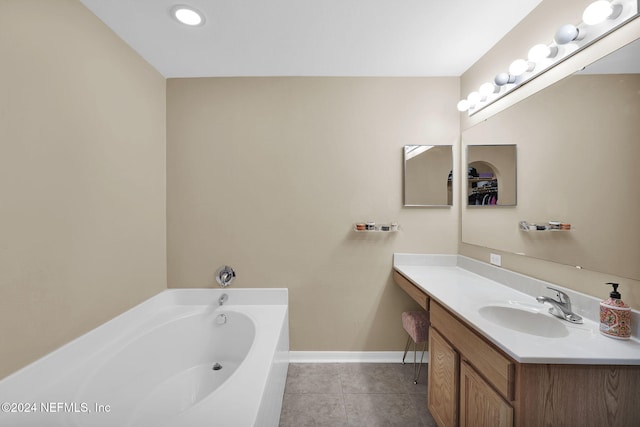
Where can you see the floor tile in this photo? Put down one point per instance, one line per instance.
(314, 378)
(313, 410)
(372, 378)
(355, 395)
(408, 376)
(384, 410)
(420, 405)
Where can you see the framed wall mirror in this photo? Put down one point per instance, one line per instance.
(491, 175)
(579, 158)
(428, 177)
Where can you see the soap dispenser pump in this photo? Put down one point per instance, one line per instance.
(615, 316)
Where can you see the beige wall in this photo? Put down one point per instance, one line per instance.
(538, 26)
(269, 174)
(265, 174)
(82, 177)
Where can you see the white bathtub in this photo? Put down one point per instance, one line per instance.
(153, 366)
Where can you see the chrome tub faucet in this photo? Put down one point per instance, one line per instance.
(223, 298)
(225, 275)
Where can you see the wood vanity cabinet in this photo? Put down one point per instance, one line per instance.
(472, 383)
(417, 294)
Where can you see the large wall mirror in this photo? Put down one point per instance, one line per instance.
(428, 177)
(491, 175)
(579, 164)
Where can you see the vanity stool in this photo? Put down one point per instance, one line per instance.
(416, 323)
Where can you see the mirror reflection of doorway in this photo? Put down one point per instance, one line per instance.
(483, 184)
(450, 188)
(492, 175)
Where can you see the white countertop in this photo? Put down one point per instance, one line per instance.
(461, 285)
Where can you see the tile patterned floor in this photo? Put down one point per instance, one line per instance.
(354, 395)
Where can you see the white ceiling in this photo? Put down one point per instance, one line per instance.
(314, 37)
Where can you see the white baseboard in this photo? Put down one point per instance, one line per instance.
(354, 357)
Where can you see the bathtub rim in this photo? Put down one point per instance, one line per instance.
(103, 335)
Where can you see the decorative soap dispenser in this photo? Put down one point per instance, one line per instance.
(615, 316)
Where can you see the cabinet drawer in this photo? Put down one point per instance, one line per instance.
(489, 362)
(414, 292)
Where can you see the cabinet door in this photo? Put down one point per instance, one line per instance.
(480, 405)
(443, 381)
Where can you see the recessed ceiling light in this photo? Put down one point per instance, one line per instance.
(187, 15)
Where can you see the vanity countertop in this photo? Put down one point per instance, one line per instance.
(464, 286)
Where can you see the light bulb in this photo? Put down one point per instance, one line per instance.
(520, 66)
(600, 11)
(488, 89)
(542, 51)
(502, 79)
(568, 33)
(187, 15)
(474, 98)
(463, 105)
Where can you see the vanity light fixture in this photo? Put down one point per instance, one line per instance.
(474, 98)
(487, 89)
(470, 102)
(520, 66)
(541, 51)
(463, 105)
(600, 17)
(600, 11)
(187, 15)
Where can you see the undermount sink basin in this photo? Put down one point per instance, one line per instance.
(525, 319)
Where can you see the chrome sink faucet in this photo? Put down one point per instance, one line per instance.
(561, 307)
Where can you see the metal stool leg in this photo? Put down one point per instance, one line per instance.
(424, 348)
(406, 348)
(415, 381)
